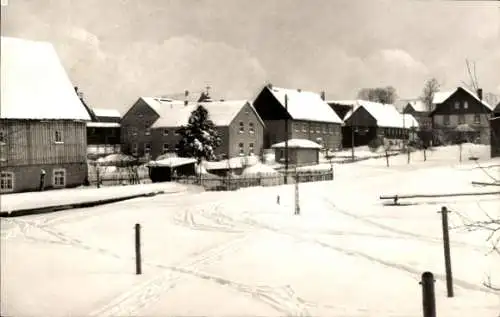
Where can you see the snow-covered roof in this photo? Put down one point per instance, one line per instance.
(297, 144)
(92, 124)
(342, 102)
(386, 115)
(305, 105)
(35, 84)
(172, 162)
(441, 96)
(110, 113)
(234, 162)
(175, 114)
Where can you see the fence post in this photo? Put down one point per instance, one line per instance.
(447, 257)
(138, 260)
(428, 295)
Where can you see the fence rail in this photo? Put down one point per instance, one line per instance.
(234, 182)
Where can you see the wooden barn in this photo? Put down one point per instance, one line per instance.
(370, 120)
(42, 120)
(300, 152)
(304, 115)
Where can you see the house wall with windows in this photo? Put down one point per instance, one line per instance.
(246, 133)
(136, 133)
(461, 107)
(29, 146)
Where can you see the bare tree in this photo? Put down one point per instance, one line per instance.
(385, 95)
(430, 88)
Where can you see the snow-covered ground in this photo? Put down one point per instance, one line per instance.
(241, 254)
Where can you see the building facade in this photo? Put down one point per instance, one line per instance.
(149, 127)
(466, 109)
(304, 115)
(42, 121)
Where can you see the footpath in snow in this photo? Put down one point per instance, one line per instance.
(30, 201)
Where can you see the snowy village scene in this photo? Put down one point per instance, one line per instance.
(322, 158)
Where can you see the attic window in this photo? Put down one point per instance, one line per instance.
(242, 127)
(147, 130)
(3, 138)
(466, 105)
(457, 105)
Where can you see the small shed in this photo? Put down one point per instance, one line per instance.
(300, 152)
(166, 169)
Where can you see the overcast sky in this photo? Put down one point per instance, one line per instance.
(118, 50)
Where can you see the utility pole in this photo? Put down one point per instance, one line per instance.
(286, 139)
(352, 132)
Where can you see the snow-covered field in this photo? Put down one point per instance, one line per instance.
(241, 254)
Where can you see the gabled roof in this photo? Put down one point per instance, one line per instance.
(35, 84)
(386, 115)
(174, 113)
(440, 97)
(305, 105)
(418, 105)
(109, 113)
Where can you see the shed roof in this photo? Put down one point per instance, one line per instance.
(174, 113)
(305, 105)
(386, 115)
(172, 162)
(297, 144)
(110, 113)
(34, 84)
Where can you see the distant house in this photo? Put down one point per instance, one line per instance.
(419, 110)
(461, 110)
(42, 120)
(370, 120)
(309, 117)
(300, 152)
(149, 126)
(103, 131)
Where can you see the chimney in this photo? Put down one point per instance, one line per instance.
(270, 86)
(299, 90)
(480, 94)
(222, 100)
(323, 96)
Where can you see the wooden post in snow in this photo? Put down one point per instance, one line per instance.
(447, 257)
(138, 258)
(428, 295)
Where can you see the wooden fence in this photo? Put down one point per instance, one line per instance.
(214, 183)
